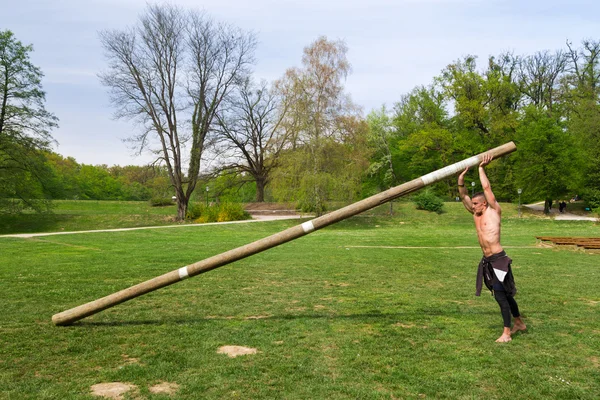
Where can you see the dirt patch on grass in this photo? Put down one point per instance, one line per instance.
(168, 388)
(405, 326)
(332, 284)
(112, 390)
(130, 360)
(235, 351)
(409, 326)
(219, 317)
(590, 302)
(258, 317)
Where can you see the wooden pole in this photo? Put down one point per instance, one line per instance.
(74, 314)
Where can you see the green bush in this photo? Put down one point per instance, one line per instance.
(312, 207)
(223, 212)
(232, 212)
(161, 201)
(591, 198)
(426, 200)
(196, 210)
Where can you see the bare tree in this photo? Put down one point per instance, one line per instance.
(171, 73)
(251, 133)
(539, 77)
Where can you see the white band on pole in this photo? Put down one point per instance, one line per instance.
(449, 170)
(308, 227)
(183, 273)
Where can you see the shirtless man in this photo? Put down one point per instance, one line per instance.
(494, 269)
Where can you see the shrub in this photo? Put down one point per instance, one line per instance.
(312, 207)
(161, 201)
(591, 198)
(223, 212)
(11, 206)
(232, 212)
(209, 214)
(194, 210)
(426, 200)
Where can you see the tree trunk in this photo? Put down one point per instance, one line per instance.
(260, 190)
(182, 205)
(547, 206)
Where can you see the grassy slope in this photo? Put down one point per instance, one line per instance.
(335, 321)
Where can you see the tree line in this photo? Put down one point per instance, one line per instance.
(546, 102)
(186, 81)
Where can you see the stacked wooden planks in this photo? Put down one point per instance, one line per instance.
(585, 242)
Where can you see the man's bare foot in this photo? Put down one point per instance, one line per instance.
(518, 326)
(504, 338)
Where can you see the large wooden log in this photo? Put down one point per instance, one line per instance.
(74, 314)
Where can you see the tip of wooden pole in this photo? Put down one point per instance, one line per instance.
(60, 320)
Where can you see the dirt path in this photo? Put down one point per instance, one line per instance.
(565, 216)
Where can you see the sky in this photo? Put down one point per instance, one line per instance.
(394, 46)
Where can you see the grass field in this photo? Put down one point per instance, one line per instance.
(370, 308)
(71, 215)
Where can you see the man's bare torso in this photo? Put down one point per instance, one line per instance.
(488, 231)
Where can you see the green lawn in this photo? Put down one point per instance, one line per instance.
(80, 215)
(343, 313)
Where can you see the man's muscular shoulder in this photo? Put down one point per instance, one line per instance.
(491, 216)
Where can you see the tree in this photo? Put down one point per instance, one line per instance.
(321, 117)
(485, 102)
(382, 139)
(466, 87)
(585, 67)
(427, 138)
(250, 129)
(486, 109)
(24, 125)
(66, 170)
(171, 73)
(538, 77)
(582, 106)
(341, 169)
(547, 164)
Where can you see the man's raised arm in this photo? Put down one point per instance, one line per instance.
(490, 198)
(463, 192)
